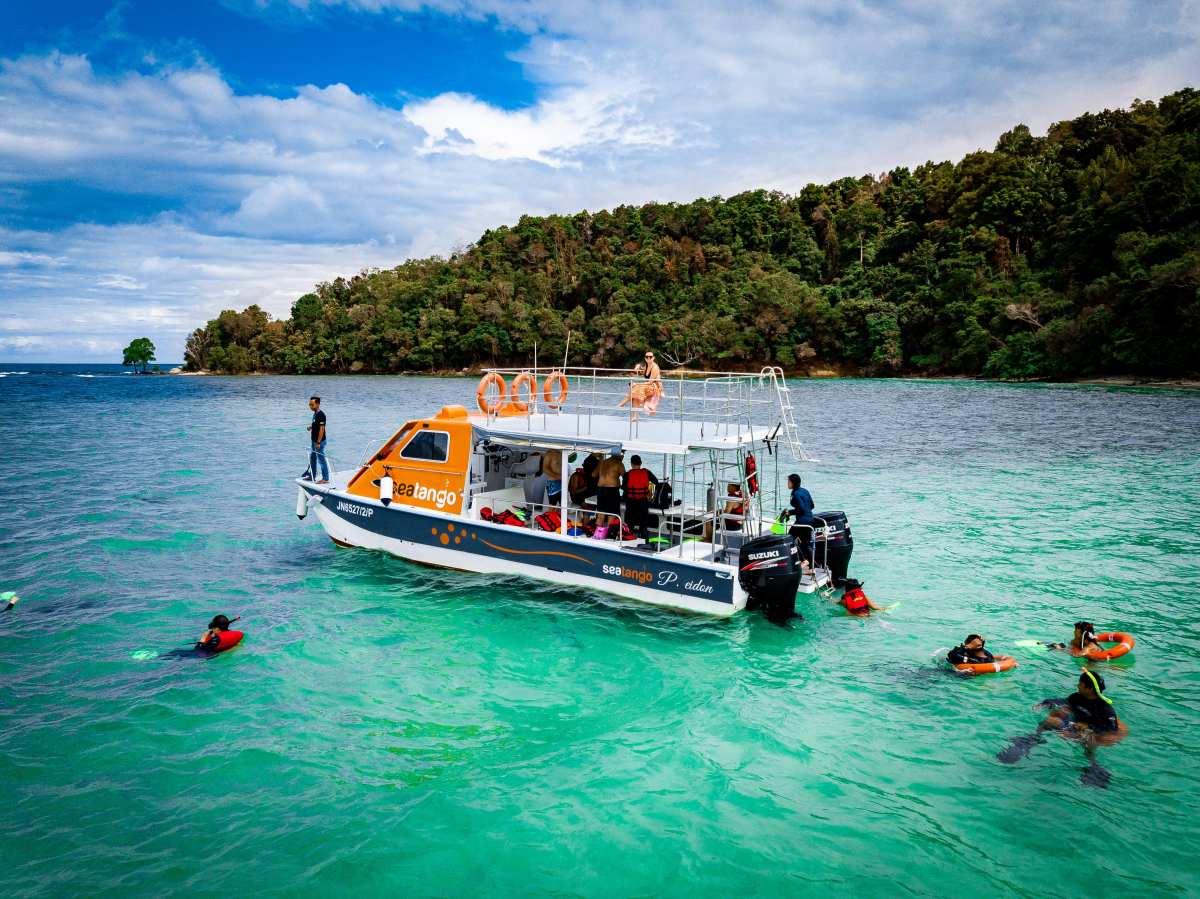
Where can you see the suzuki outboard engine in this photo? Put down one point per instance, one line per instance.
(834, 545)
(769, 571)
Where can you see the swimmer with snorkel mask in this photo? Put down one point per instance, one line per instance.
(1083, 642)
(1086, 716)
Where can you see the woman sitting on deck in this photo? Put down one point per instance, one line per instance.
(645, 396)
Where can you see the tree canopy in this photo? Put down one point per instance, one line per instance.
(139, 354)
(1069, 254)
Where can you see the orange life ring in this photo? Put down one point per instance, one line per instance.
(524, 379)
(481, 393)
(1002, 663)
(1125, 642)
(555, 401)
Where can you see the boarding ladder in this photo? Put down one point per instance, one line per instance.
(772, 376)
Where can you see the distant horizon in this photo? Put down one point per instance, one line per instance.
(80, 362)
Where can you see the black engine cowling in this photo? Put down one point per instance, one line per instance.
(835, 548)
(769, 571)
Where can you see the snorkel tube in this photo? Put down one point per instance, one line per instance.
(1096, 684)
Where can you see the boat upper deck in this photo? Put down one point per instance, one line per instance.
(604, 432)
(606, 408)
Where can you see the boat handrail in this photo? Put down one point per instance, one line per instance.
(727, 402)
(701, 550)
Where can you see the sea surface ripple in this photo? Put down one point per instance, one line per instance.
(396, 730)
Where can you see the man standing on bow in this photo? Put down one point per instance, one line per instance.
(317, 434)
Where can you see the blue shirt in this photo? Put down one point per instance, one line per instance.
(802, 506)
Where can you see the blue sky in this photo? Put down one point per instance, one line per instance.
(162, 161)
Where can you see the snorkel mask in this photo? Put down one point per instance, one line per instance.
(1096, 685)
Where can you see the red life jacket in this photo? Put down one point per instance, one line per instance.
(578, 482)
(751, 474)
(855, 600)
(550, 520)
(507, 517)
(637, 484)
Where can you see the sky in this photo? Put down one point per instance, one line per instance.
(162, 161)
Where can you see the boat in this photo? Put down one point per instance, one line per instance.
(453, 490)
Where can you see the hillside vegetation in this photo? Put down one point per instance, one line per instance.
(1056, 256)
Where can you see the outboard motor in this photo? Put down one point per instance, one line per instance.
(769, 571)
(834, 545)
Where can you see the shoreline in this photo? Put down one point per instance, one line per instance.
(813, 375)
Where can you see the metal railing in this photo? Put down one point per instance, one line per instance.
(721, 403)
(684, 530)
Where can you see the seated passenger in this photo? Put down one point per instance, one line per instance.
(732, 514)
(970, 652)
(644, 395)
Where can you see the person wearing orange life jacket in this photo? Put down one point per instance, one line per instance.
(637, 483)
(855, 601)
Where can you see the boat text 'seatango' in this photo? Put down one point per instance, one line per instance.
(522, 484)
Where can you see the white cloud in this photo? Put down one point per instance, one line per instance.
(121, 282)
(636, 102)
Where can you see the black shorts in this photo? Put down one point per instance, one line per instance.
(608, 500)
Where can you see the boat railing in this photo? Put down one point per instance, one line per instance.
(680, 527)
(722, 403)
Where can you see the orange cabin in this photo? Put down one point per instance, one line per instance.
(427, 460)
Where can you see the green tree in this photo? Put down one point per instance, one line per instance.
(139, 354)
(1050, 256)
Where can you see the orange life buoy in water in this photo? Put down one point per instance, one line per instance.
(1125, 642)
(481, 393)
(553, 400)
(1002, 663)
(524, 379)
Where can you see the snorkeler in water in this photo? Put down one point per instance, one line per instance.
(211, 638)
(1087, 716)
(1082, 642)
(856, 601)
(970, 652)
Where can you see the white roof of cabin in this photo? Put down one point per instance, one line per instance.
(603, 432)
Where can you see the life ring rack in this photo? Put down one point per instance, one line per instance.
(1002, 663)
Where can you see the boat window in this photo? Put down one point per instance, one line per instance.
(394, 442)
(433, 446)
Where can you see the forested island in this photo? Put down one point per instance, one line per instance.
(1063, 256)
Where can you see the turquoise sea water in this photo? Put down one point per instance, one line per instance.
(388, 729)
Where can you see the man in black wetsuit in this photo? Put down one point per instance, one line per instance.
(970, 652)
(1087, 715)
(1088, 711)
